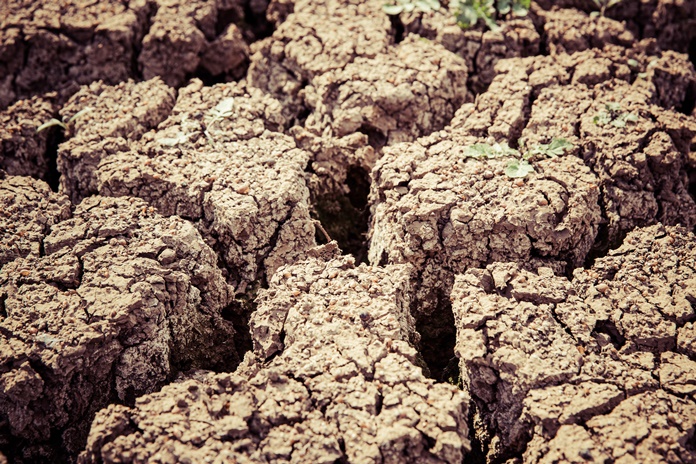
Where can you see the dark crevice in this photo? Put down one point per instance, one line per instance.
(346, 218)
(438, 337)
(692, 51)
(375, 138)
(478, 438)
(238, 313)
(687, 106)
(55, 138)
(398, 28)
(609, 328)
(3, 310)
(255, 20)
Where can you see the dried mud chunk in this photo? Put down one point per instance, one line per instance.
(214, 160)
(686, 340)
(642, 289)
(641, 171)
(28, 209)
(507, 346)
(481, 49)
(570, 31)
(674, 79)
(538, 352)
(340, 385)
(409, 92)
(176, 39)
(226, 53)
(54, 46)
(122, 299)
(649, 427)
(319, 37)
(432, 206)
(22, 149)
(113, 117)
(250, 196)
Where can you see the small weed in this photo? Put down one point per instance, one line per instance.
(222, 110)
(518, 168)
(603, 6)
(614, 116)
(520, 165)
(408, 6)
(64, 124)
(469, 12)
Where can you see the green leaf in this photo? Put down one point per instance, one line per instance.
(79, 114)
(225, 107)
(51, 123)
(466, 16)
(504, 6)
(519, 10)
(392, 9)
(180, 137)
(409, 7)
(602, 118)
(613, 107)
(594, 14)
(630, 117)
(633, 63)
(518, 169)
(557, 147)
(643, 75)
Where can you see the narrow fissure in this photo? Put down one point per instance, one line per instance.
(438, 337)
(55, 138)
(345, 218)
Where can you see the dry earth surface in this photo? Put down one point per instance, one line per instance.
(302, 231)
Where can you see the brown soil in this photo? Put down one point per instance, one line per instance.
(263, 238)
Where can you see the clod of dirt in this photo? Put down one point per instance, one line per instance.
(312, 41)
(22, 149)
(114, 117)
(28, 209)
(654, 426)
(443, 212)
(480, 48)
(669, 23)
(336, 379)
(214, 161)
(409, 92)
(121, 299)
(540, 354)
(49, 45)
(570, 31)
(182, 36)
(640, 164)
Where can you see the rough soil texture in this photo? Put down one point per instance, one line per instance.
(670, 23)
(587, 369)
(117, 301)
(172, 287)
(238, 179)
(343, 385)
(22, 150)
(46, 45)
(28, 210)
(481, 48)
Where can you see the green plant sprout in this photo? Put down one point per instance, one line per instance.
(64, 124)
(407, 6)
(469, 12)
(614, 116)
(603, 6)
(519, 166)
(221, 111)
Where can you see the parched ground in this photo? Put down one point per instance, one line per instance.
(302, 231)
